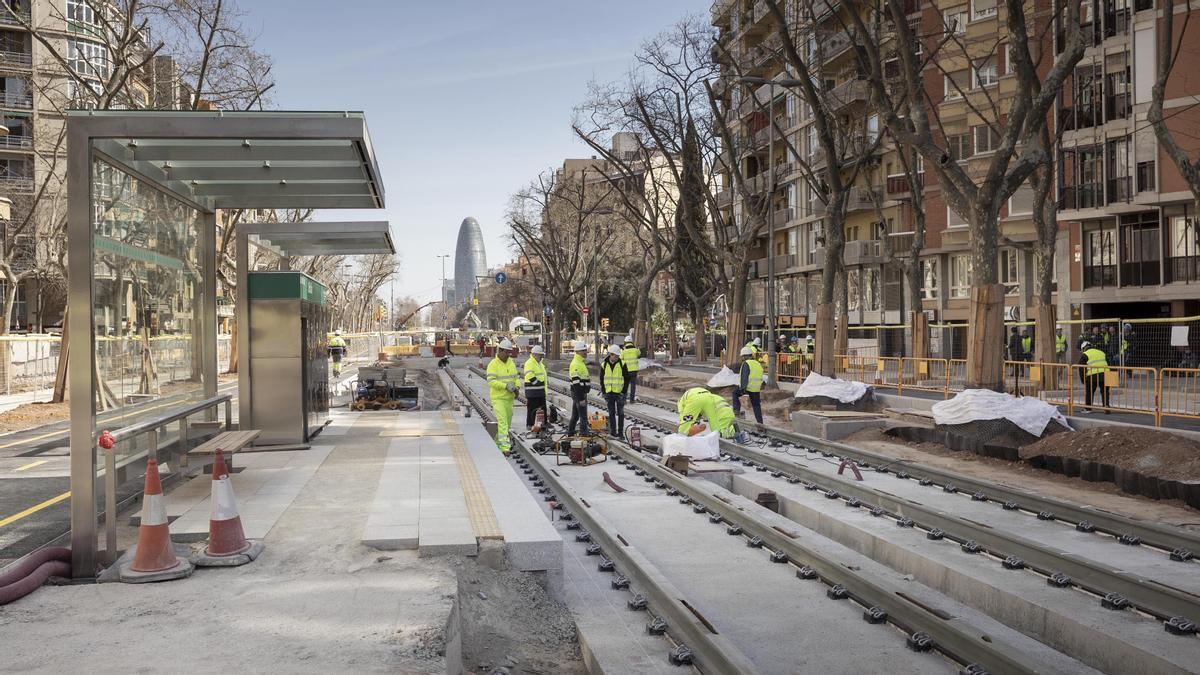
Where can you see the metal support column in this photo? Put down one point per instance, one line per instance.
(82, 365)
(207, 326)
(242, 317)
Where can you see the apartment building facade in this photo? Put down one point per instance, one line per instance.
(1110, 217)
(35, 90)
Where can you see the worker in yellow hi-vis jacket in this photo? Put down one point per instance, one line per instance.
(503, 385)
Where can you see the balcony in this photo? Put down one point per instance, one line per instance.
(724, 198)
(1116, 107)
(1099, 276)
(1078, 117)
(14, 100)
(898, 184)
(766, 51)
(783, 216)
(1140, 273)
(860, 198)
(720, 12)
(782, 262)
(1183, 268)
(16, 184)
(16, 142)
(1084, 196)
(10, 59)
(1120, 189)
(8, 18)
(861, 252)
(1145, 176)
(848, 93)
(830, 46)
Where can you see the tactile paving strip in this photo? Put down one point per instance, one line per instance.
(479, 507)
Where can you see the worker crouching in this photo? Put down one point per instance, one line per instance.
(750, 384)
(612, 378)
(699, 407)
(581, 384)
(502, 389)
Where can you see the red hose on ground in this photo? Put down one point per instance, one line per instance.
(27, 574)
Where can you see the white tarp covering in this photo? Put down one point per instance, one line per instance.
(845, 391)
(706, 445)
(725, 378)
(1031, 414)
(646, 364)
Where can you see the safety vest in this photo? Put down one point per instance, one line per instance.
(753, 347)
(337, 342)
(1026, 344)
(1060, 344)
(535, 377)
(500, 374)
(793, 348)
(630, 356)
(579, 371)
(1097, 361)
(612, 376)
(754, 382)
(703, 404)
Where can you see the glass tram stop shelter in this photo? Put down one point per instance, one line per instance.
(149, 200)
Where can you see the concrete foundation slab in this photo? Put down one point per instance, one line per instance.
(832, 428)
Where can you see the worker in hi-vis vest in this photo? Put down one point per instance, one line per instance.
(1093, 375)
(612, 382)
(1060, 346)
(535, 386)
(581, 384)
(629, 356)
(698, 404)
(503, 385)
(750, 380)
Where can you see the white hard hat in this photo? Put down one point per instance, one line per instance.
(1085, 344)
(581, 346)
(746, 351)
(810, 338)
(537, 349)
(337, 332)
(506, 344)
(614, 350)
(628, 339)
(758, 341)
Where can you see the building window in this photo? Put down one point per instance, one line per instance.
(853, 289)
(929, 279)
(955, 22)
(1099, 257)
(953, 219)
(956, 83)
(1183, 249)
(1009, 275)
(871, 289)
(1021, 201)
(78, 10)
(987, 139)
(985, 73)
(960, 276)
(982, 9)
(87, 58)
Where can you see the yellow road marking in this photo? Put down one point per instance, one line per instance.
(31, 465)
(34, 509)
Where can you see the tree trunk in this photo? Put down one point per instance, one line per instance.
(701, 345)
(555, 335)
(735, 335)
(672, 336)
(640, 332)
(824, 347)
(1044, 342)
(920, 334)
(985, 338)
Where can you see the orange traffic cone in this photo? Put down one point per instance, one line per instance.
(225, 534)
(154, 551)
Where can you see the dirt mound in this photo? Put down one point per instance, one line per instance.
(1146, 451)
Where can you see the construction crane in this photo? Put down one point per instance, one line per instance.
(400, 324)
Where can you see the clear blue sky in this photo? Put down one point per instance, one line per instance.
(466, 101)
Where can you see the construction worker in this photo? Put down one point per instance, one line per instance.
(1093, 376)
(612, 380)
(337, 349)
(699, 403)
(810, 349)
(1126, 344)
(1026, 346)
(750, 384)
(581, 384)
(755, 345)
(502, 389)
(629, 356)
(535, 386)
(1060, 346)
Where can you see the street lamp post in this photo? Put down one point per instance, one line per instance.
(444, 308)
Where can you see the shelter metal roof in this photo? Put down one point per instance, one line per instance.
(254, 160)
(324, 238)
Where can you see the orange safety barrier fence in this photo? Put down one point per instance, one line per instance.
(1178, 393)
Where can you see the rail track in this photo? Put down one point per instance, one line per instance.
(881, 600)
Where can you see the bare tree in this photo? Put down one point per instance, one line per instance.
(560, 221)
(1170, 45)
(976, 191)
(908, 260)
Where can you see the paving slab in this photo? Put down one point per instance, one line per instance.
(340, 423)
(395, 511)
(266, 486)
(443, 525)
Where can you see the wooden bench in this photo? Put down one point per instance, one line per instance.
(229, 442)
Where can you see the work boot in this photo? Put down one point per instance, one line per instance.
(741, 438)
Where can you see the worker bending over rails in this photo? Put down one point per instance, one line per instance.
(629, 356)
(535, 386)
(1093, 376)
(750, 384)
(581, 384)
(698, 404)
(612, 379)
(502, 389)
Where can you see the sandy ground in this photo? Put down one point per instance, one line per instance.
(316, 601)
(1101, 495)
(1150, 452)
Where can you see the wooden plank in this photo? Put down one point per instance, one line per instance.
(230, 441)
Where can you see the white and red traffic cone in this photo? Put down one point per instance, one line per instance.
(225, 533)
(154, 558)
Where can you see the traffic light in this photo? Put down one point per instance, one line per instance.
(604, 324)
